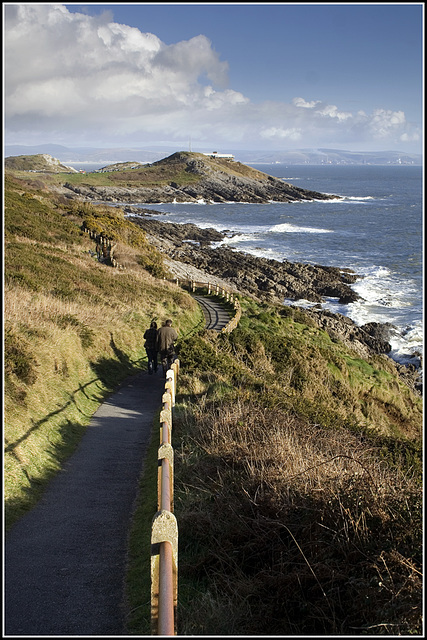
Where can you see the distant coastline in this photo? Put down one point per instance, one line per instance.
(84, 155)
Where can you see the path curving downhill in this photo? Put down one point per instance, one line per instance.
(216, 317)
(65, 560)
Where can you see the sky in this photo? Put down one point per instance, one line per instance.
(215, 76)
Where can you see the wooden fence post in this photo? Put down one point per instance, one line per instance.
(164, 573)
(164, 530)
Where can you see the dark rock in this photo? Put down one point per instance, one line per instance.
(339, 327)
(217, 182)
(260, 277)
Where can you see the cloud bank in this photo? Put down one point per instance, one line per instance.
(80, 80)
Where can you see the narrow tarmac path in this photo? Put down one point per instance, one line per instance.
(65, 560)
(216, 317)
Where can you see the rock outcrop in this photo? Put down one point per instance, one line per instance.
(192, 177)
(260, 277)
(188, 254)
(39, 163)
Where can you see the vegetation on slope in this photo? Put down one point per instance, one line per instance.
(73, 328)
(298, 485)
(182, 168)
(40, 162)
(297, 463)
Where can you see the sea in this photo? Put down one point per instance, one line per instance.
(375, 229)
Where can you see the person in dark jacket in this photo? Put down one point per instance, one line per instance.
(150, 345)
(166, 337)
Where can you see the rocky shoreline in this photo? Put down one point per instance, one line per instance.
(189, 254)
(192, 177)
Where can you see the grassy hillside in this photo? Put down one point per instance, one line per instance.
(158, 174)
(42, 162)
(298, 486)
(73, 328)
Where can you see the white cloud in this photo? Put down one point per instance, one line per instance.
(413, 137)
(300, 102)
(278, 132)
(332, 111)
(322, 109)
(384, 121)
(75, 79)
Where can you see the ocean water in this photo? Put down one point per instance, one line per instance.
(375, 230)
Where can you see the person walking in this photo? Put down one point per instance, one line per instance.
(166, 337)
(150, 337)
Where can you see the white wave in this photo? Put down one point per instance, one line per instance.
(379, 287)
(234, 239)
(286, 227)
(358, 198)
(271, 254)
(407, 345)
(322, 201)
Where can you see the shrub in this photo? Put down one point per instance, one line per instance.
(18, 360)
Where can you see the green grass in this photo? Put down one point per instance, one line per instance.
(73, 331)
(280, 434)
(330, 475)
(158, 174)
(138, 583)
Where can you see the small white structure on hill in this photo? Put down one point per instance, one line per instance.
(215, 154)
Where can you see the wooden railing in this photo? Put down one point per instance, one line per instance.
(216, 290)
(164, 531)
(105, 249)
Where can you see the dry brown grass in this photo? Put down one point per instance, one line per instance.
(305, 530)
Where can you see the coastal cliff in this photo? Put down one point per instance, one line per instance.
(188, 252)
(192, 177)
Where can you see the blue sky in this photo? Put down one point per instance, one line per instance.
(241, 76)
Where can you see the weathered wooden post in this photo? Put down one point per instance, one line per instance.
(164, 530)
(164, 573)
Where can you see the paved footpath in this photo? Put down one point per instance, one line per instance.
(65, 560)
(216, 317)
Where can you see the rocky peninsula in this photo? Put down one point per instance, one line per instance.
(192, 177)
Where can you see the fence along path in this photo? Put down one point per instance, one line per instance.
(164, 531)
(216, 316)
(65, 559)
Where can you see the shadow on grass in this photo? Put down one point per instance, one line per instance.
(65, 436)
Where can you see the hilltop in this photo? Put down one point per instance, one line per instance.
(120, 166)
(190, 177)
(42, 162)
